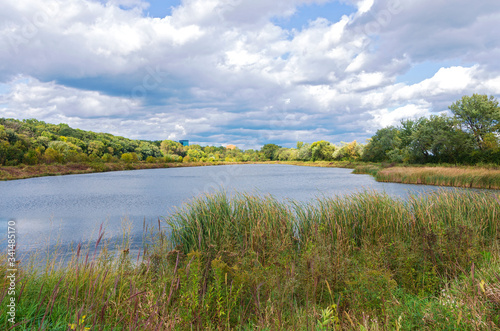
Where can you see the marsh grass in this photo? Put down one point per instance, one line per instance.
(445, 176)
(361, 262)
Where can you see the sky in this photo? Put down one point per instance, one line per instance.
(244, 72)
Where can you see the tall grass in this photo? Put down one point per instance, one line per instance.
(362, 262)
(446, 176)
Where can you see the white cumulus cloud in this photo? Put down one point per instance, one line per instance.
(221, 70)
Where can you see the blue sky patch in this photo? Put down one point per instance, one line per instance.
(157, 8)
(424, 70)
(4, 88)
(161, 8)
(332, 11)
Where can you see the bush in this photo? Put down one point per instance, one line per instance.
(30, 158)
(109, 158)
(53, 156)
(129, 157)
(151, 159)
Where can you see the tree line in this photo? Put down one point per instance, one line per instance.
(470, 136)
(33, 142)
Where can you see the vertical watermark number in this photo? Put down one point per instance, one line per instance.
(11, 271)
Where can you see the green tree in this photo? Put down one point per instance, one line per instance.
(169, 147)
(270, 151)
(406, 130)
(438, 139)
(30, 157)
(195, 154)
(4, 148)
(348, 151)
(479, 115)
(62, 147)
(286, 154)
(96, 147)
(11, 136)
(66, 130)
(384, 141)
(305, 152)
(322, 151)
(108, 158)
(53, 156)
(3, 134)
(130, 157)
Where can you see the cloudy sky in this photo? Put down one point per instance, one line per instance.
(245, 72)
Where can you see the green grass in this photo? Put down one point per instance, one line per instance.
(362, 262)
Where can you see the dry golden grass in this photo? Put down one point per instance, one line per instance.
(445, 176)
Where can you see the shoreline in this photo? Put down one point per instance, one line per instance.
(8, 173)
(452, 176)
(46, 170)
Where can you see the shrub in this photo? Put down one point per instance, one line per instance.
(30, 158)
(53, 156)
(108, 158)
(129, 157)
(151, 159)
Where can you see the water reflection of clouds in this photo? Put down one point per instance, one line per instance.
(35, 234)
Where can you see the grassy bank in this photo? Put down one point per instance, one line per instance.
(41, 170)
(472, 177)
(364, 262)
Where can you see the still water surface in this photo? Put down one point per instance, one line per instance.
(71, 208)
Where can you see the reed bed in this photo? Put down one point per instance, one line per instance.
(445, 176)
(362, 262)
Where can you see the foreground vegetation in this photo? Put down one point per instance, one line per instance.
(363, 262)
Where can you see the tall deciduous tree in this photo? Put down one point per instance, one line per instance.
(322, 150)
(384, 141)
(437, 139)
(169, 147)
(270, 151)
(479, 115)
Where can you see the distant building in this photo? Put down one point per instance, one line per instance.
(184, 142)
(230, 146)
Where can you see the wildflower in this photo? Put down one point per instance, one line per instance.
(80, 322)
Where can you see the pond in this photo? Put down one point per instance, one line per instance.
(70, 209)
